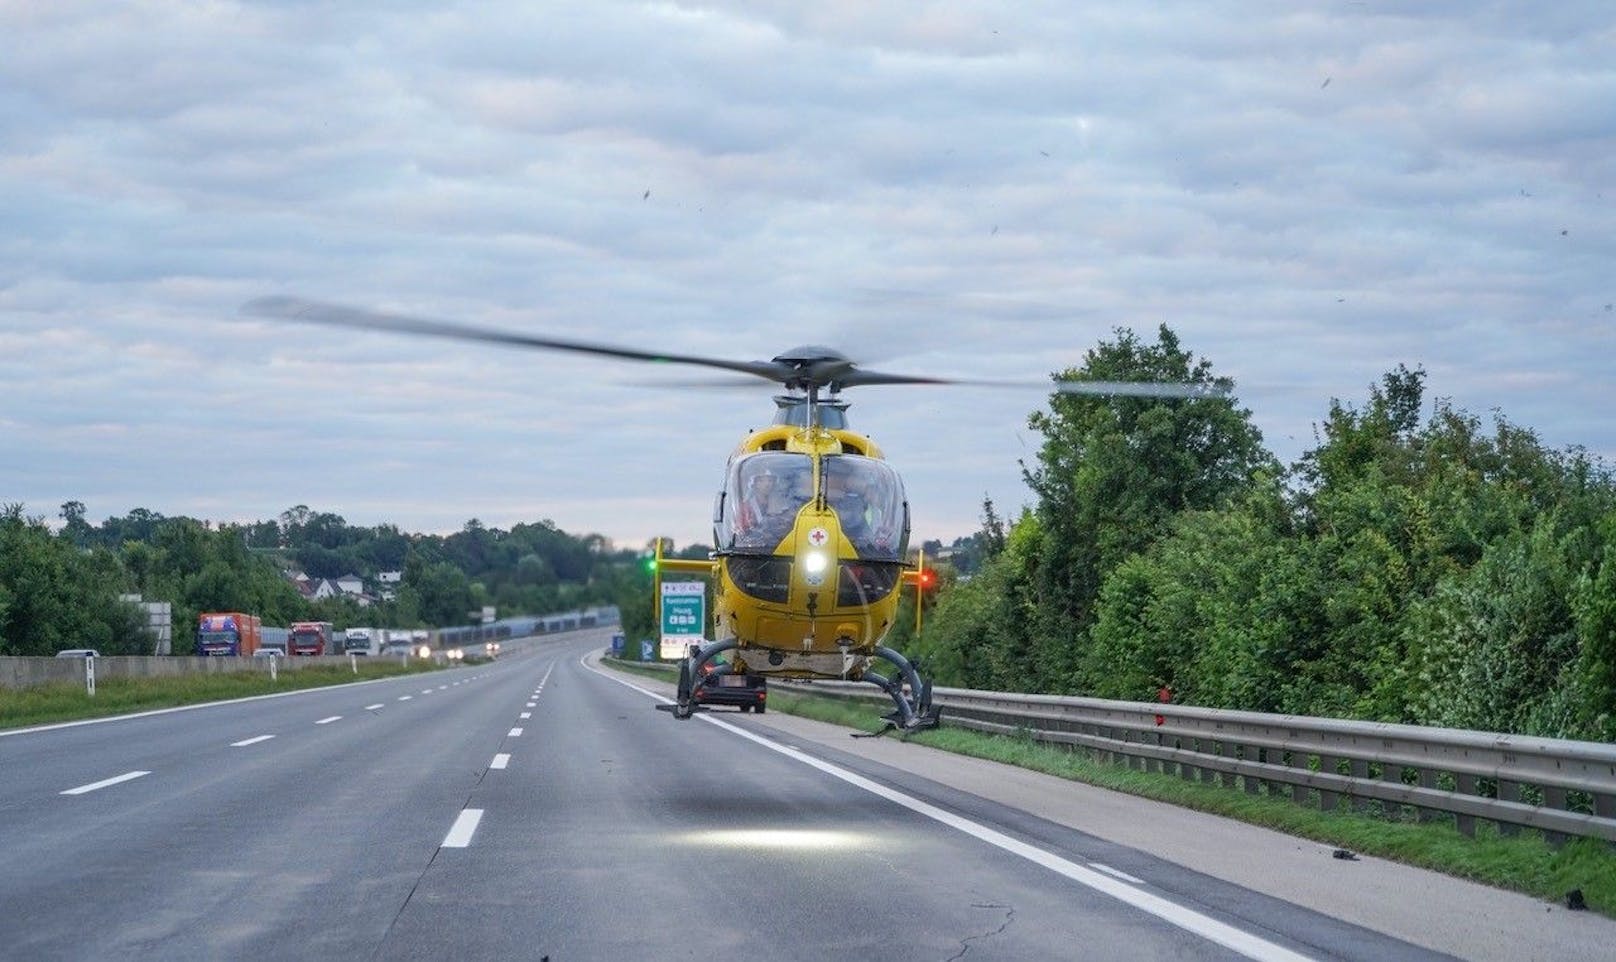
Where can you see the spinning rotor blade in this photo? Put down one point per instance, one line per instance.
(802, 368)
(336, 315)
(1141, 389)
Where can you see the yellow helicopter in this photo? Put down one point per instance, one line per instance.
(811, 526)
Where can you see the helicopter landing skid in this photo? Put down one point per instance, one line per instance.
(931, 719)
(913, 709)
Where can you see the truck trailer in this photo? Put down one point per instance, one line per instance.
(227, 633)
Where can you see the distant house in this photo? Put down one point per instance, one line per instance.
(390, 577)
(351, 585)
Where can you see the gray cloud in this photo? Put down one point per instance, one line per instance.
(1309, 197)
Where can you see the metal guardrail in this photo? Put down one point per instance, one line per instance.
(1561, 787)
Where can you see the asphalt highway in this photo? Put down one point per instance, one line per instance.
(539, 807)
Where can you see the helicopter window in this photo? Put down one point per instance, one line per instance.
(766, 577)
(766, 492)
(868, 499)
(866, 583)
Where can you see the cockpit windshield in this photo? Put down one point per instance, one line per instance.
(763, 495)
(868, 499)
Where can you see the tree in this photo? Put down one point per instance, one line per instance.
(1114, 471)
(76, 529)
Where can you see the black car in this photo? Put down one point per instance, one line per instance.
(746, 692)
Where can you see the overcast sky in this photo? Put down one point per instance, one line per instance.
(1308, 194)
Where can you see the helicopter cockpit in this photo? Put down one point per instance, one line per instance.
(868, 499)
(767, 490)
(761, 500)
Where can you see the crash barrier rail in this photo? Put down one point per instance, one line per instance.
(1561, 787)
(19, 671)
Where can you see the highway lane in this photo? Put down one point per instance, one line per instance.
(304, 845)
(621, 833)
(431, 829)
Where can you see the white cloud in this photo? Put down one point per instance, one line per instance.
(1309, 197)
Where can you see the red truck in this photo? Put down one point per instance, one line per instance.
(313, 638)
(227, 633)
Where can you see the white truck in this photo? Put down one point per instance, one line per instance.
(362, 641)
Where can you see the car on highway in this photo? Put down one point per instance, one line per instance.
(269, 653)
(78, 653)
(748, 692)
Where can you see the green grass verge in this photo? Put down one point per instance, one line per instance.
(68, 701)
(1522, 863)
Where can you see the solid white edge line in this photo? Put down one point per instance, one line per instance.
(1116, 872)
(251, 741)
(500, 761)
(104, 783)
(327, 721)
(1222, 933)
(463, 828)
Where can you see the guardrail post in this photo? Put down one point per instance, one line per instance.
(1428, 780)
(1508, 792)
(1329, 765)
(1554, 797)
(1465, 785)
(1360, 770)
(1252, 783)
(1392, 775)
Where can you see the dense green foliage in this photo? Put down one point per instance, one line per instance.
(1430, 572)
(60, 590)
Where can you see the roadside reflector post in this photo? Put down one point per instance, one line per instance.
(353, 662)
(89, 676)
(274, 668)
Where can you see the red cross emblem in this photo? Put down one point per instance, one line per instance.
(818, 537)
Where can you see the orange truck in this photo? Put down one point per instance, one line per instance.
(226, 633)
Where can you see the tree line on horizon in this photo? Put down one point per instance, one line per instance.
(61, 589)
(1414, 566)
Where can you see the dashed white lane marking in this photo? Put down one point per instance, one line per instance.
(104, 783)
(1118, 873)
(251, 741)
(500, 760)
(426, 691)
(373, 707)
(1205, 926)
(526, 714)
(443, 688)
(531, 704)
(405, 697)
(327, 721)
(464, 827)
(514, 733)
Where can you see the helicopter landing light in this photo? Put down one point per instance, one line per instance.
(795, 840)
(814, 563)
